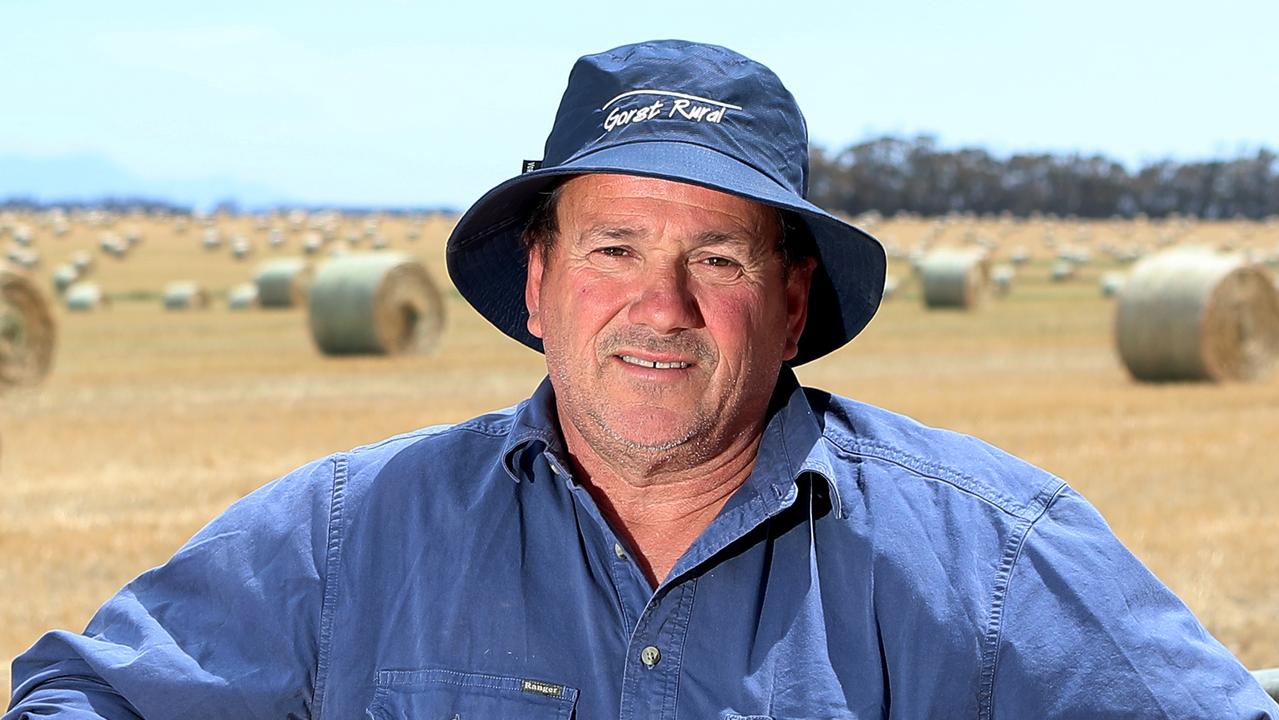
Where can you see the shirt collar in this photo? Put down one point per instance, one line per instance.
(534, 426)
(792, 443)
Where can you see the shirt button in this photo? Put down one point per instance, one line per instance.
(618, 551)
(650, 656)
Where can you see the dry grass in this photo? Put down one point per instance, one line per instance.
(152, 422)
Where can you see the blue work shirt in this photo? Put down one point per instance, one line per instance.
(870, 567)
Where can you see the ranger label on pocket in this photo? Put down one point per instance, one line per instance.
(542, 688)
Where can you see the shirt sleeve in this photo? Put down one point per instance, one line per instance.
(1088, 632)
(228, 627)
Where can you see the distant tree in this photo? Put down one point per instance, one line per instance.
(892, 174)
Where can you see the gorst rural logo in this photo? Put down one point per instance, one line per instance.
(667, 105)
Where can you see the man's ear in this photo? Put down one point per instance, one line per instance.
(798, 281)
(533, 290)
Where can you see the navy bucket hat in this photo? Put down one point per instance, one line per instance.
(685, 112)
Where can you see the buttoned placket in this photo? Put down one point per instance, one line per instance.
(657, 621)
(659, 625)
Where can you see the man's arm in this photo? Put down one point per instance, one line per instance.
(1089, 632)
(228, 627)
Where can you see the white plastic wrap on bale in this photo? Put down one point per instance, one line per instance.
(283, 283)
(891, 284)
(64, 276)
(1193, 314)
(242, 297)
(379, 303)
(185, 295)
(82, 261)
(1112, 283)
(27, 331)
(954, 278)
(1001, 278)
(86, 297)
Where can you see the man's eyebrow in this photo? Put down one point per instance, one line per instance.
(611, 232)
(720, 237)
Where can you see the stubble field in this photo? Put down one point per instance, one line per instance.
(152, 422)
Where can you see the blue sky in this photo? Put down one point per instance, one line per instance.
(407, 103)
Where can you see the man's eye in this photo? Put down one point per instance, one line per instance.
(719, 262)
(614, 251)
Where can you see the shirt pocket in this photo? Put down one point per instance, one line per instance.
(452, 695)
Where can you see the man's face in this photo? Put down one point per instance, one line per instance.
(666, 313)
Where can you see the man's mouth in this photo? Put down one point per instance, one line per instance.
(641, 362)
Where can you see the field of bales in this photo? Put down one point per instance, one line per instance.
(153, 421)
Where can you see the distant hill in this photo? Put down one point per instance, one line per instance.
(86, 177)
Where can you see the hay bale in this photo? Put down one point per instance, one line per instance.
(1063, 270)
(312, 244)
(28, 259)
(374, 303)
(82, 261)
(891, 286)
(86, 297)
(283, 283)
(954, 278)
(64, 277)
(1112, 283)
(242, 297)
(1001, 278)
(185, 295)
(1192, 314)
(211, 239)
(27, 331)
(1269, 681)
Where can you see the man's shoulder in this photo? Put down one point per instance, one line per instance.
(906, 455)
(437, 445)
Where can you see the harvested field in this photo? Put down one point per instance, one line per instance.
(151, 422)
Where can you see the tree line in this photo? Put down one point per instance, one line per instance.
(892, 174)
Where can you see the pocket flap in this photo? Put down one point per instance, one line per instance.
(451, 695)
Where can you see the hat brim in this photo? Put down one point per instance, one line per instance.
(488, 266)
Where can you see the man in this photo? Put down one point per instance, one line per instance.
(670, 527)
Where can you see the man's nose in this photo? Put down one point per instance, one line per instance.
(665, 302)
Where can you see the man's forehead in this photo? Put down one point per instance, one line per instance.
(625, 201)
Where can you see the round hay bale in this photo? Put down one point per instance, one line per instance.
(953, 278)
(1001, 278)
(211, 239)
(1192, 314)
(283, 283)
(242, 297)
(374, 303)
(312, 244)
(82, 261)
(27, 331)
(185, 295)
(86, 297)
(29, 259)
(64, 277)
(241, 248)
(1112, 283)
(891, 285)
(1063, 270)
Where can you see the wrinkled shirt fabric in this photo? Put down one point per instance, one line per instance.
(870, 567)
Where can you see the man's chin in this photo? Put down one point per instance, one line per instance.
(649, 435)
